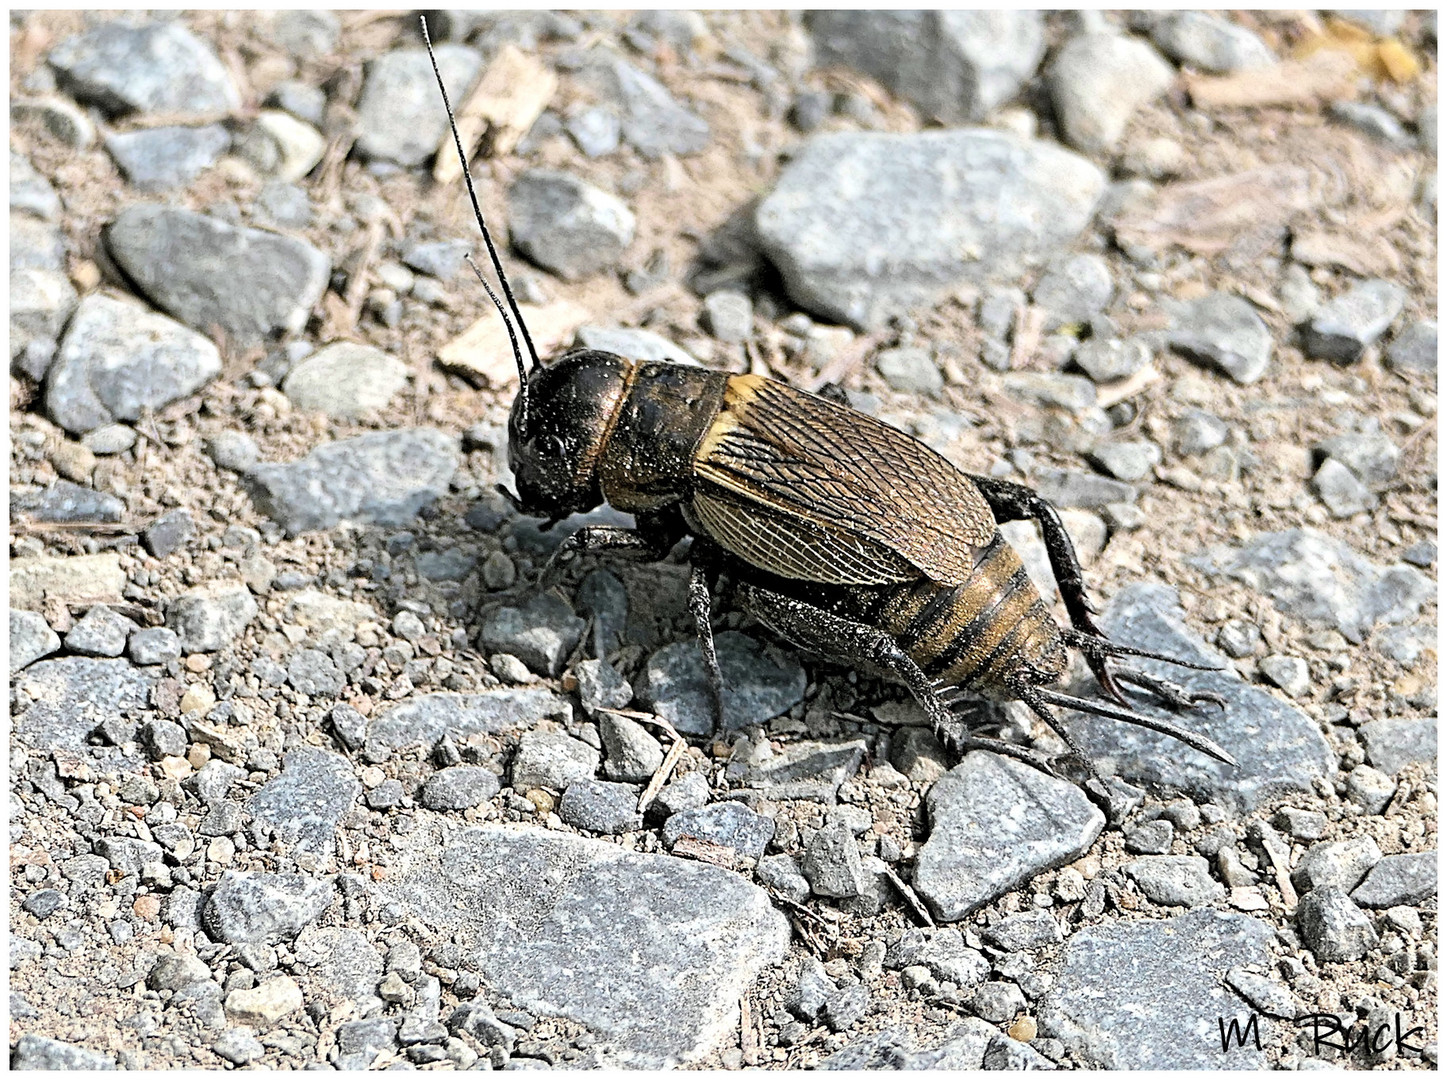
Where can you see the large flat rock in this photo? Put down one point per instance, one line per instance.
(1147, 994)
(650, 952)
(994, 824)
(1279, 749)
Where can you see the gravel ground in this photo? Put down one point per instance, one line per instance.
(306, 771)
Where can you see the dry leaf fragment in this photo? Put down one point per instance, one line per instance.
(1328, 75)
(510, 96)
(1365, 257)
(484, 352)
(1208, 216)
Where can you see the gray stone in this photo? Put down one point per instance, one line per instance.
(597, 130)
(1399, 879)
(1197, 431)
(384, 796)
(43, 903)
(1150, 838)
(118, 360)
(1110, 359)
(654, 123)
(235, 451)
(566, 225)
(345, 380)
(1051, 389)
(831, 862)
(1382, 22)
(995, 823)
(1071, 487)
(601, 807)
(803, 770)
(730, 315)
(399, 116)
(176, 257)
(758, 684)
(1343, 494)
(1415, 348)
(58, 116)
(729, 824)
(1290, 673)
(41, 302)
(129, 65)
(1336, 865)
(208, 619)
(1396, 742)
(686, 792)
(1238, 638)
(1321, 579)
(1371, 456)
(68, 698)
(177, 970)
(439, 258)
(34, 1052)
(846, 1008)
(1278, 748)
(304, 34)
(31, 639)
(1097, 83)
(459, 788)
(552, 760)
(998, 1002)
(1166, 980)
(313, 672)
(1300, 824)
(637, 344)
(360, 1041)
(1209, 43)
(1343, 327)
(280, 146)
(1334, 928)
(423, 720)
(1127, 461)
(1030, 930)
(168, 532)
(542, 634)
(956, 66)
(302, 100)
(212, 782)
(660, 988)
(31, 191)
(1224, 331)
(910, 370)
(381, 478)
(863, 226)
(66, 503)
(1370, 789)
(1372, 120)
(1183, 880)
(630, 753)
(1265, 995)
(163, 738)
(247, 908)
(600, 687)
(1073, 289)
(303, 805)
(781, 874)
(343, 963)
(158, 159)
(238, 1046)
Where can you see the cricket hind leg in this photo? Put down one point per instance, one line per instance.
(819, 631)
(1015, 502)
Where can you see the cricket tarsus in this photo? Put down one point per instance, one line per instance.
(487, 239)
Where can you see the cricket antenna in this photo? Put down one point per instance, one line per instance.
(491, 250)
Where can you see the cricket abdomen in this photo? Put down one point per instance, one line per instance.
(990, 633)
